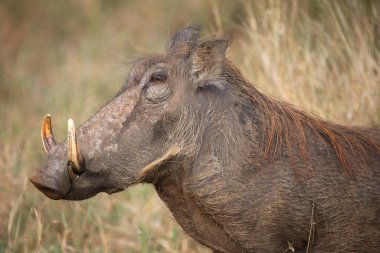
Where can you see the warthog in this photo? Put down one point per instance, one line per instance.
(241, 172)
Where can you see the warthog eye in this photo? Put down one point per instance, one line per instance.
(157, 90)
(157, 78)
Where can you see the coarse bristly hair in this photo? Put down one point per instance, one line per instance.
(283, 125)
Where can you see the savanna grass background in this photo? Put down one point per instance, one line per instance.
(68, 58)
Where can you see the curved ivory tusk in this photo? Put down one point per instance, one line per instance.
(47, 134)
(73, 154)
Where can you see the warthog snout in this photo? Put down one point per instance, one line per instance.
(52, 186)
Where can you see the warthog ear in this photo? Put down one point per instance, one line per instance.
(207, 60)
(184, 41)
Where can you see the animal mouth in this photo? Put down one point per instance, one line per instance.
(75, 162)
(70, 181)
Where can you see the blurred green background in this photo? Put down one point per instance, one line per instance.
(68, 58)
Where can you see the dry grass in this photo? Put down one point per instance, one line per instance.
(320, 55)
(68, 57)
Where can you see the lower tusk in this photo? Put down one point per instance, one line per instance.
(73, 154)
(47, 134)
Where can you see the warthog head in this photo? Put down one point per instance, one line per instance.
(152, 124)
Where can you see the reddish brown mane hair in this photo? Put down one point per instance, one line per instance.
(283, 124)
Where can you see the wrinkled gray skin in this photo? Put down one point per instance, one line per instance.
(181, 124)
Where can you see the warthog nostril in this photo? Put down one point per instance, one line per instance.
(48, 187)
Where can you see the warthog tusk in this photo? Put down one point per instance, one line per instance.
(47, 134)
(74, 157)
